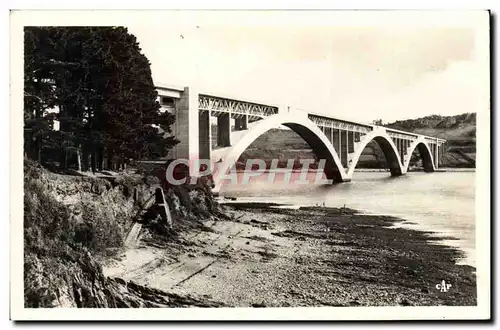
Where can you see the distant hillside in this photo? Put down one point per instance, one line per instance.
(459, 131)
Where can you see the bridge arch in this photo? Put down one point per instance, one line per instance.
(425, 152)
(388, 148)
(301, 125)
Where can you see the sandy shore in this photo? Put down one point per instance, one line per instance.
(307, 257)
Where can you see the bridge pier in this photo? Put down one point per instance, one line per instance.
(224, 130)
(441, 153)
(344, 141)
(336, 141)
(186, 126)
(350, 147)
(205, 135)
(328, 133)
(241, 123)
(357, 137)
(436, 155)
(400, 150)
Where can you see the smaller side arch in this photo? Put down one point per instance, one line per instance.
(425, 153)
(388, 148)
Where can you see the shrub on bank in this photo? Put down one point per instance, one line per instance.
(59, 238)
(47, 237)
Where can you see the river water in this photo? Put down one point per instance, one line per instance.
(441, 202)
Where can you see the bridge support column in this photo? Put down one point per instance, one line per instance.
(241, 123)
(403, 152)
(328, 133)
(351, 142)
(350, 147)
(336, 142)
(401, 149)
(186, 128)
(357, 136)
(344, 146)
(224, 130)
(205, 136)
(441, 153)
(436, 155)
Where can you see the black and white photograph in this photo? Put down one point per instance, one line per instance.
(243, 164)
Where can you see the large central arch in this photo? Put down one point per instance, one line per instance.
(300, 124)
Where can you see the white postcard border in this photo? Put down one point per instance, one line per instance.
(480, 20)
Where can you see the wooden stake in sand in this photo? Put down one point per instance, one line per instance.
(133, 235)
(164, 208)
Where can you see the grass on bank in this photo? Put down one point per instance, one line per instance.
(56, 242)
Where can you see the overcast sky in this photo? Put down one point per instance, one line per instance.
(360, 68)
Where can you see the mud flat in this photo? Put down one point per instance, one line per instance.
(264, 256)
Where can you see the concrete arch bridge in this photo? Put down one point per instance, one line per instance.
(221, 129)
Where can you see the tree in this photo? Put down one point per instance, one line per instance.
(39, 96)
(102, 85)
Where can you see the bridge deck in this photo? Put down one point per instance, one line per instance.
(239, 106)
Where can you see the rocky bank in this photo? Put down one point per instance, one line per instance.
(73, 223)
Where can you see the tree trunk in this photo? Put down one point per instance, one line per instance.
(93, 160)
(34, 151)
(79, 159)
(109, 160)
(62, 128)
(85, 163)
(38, 146)
(36, 141)
(100, 159)
(62, 155)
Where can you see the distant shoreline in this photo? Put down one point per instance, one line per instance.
(458, 169)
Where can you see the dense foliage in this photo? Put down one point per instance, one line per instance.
(101, 84)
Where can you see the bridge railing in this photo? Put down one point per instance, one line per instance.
(219, 104)
(403, 134)
(340, 124)
(433, 140)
